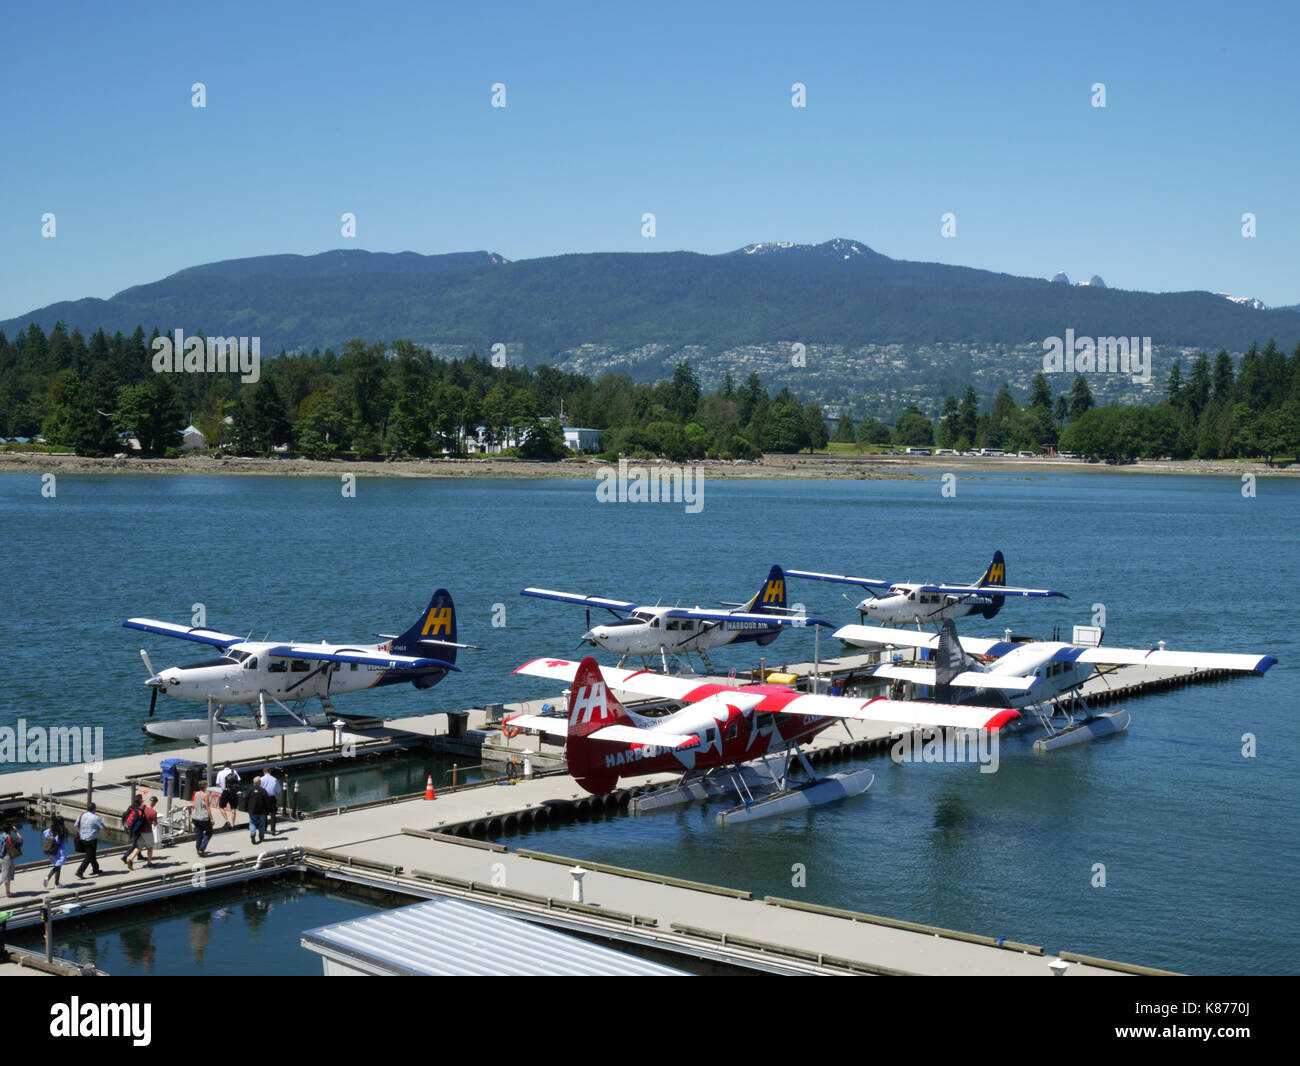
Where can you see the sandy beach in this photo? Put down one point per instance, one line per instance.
(771, 466)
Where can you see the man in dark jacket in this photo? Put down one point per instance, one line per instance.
(259, 803)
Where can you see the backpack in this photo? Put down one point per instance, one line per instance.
(133, 817)
(49, 843)
(13, 845)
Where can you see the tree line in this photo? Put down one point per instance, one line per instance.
(395, 400)
(377, 400)
(1216, 410)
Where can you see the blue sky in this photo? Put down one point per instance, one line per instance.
(384, 110)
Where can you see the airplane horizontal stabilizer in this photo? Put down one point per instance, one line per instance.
(922, 675)
(552, 727)
(626, 734)
(882, 636)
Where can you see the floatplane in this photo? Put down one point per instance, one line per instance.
(1041, 678)
(646, 631)
(726, 739)
(903, 603)
(291, 675)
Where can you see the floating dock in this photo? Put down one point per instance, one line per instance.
(410, 848)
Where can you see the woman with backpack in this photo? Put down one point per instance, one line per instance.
(141, 820)
(54, 844)
(11, 846)
(133, 822)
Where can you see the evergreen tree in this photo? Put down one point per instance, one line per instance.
(816, 436)
(1081, 401)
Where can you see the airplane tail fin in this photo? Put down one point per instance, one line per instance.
(770, 595)
(950, 659)
(592, 706)
(433, 635)
(996, 574)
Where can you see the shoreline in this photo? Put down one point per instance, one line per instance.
(771, 467)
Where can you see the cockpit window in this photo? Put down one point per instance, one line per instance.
(238, 656)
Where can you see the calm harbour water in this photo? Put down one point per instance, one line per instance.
(1198, 843)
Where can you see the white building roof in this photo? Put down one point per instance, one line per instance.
(451, 937)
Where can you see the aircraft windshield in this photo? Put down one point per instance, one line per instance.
(225, 661)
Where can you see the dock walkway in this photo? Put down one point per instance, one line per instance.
(403, 847)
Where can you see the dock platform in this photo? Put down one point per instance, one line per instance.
(412, 848)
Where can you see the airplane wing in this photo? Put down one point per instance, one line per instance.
(780, 699)
(324, 653)
(923, 675)
(198, 633)
(864, 582)
(991, 590)
(573, 597)
(797, 620)
(879, 636)
(640, 683)
(1244, 664)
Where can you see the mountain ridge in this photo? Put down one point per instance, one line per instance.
(840, 291)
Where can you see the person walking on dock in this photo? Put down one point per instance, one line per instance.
(271, 784)
(258, 804)
(149, 838)
(201, 816)
(228, 782)
(133, 822)
(87, 829)
(11, 846)
(143, 828)
(54, 842)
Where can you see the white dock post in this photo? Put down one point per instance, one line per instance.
(528, 763)
(578, 873)
(212, 725)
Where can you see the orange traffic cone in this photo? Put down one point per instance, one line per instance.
(428, 789)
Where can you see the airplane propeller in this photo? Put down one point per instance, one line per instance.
(152, 683)
(862, 615)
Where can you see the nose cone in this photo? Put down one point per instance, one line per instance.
(170, 676)
(591, 636)
(868, 605)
